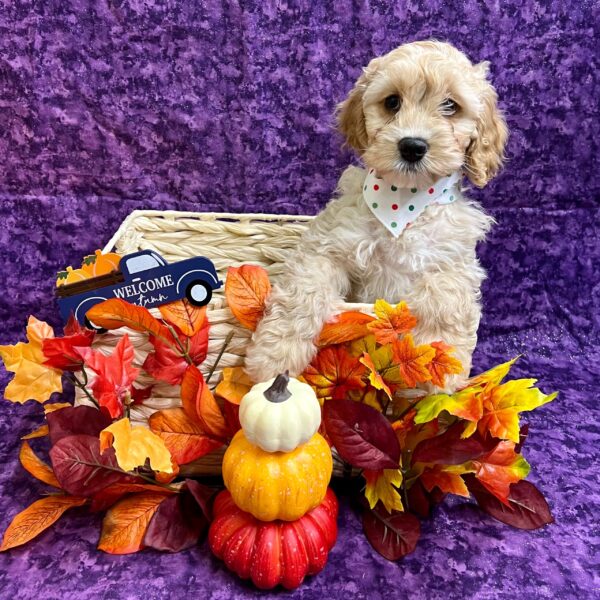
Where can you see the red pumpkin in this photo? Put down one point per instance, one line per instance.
(273, 552)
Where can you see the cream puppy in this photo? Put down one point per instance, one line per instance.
(420, 117)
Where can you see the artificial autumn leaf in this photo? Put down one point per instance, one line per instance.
(362, 436)
(450, 448)
(392, 321)
(36, 518)
(247, 289)
(37, 467)
(345, 327)
(412, 360)
(501, 467)
(526, 507)
(116, 313)
(110, 495)
(184, 438)
(134, 445)
(443, 364)
(54, 406)
(177, 524)
(138, 395)
(41, 431)
(115, 375)
(447, 478)
(81, 469)
(61, 352)
(465, 404)
(385, 364)
(76, 420)
(189, 319)
(502, 405)
(33, 379)
(168, 363)
(393, 536)
(234, 385)
(494, 375)
(200, 404)
(375, 379)
(382, 485)
(125, 523)
(333, 373)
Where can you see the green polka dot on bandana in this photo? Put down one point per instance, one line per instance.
(394, 188)
(375, 205)
(394, 224)
(411, 207)
(413, 190)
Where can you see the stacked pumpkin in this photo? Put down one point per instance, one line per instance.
(276, 521)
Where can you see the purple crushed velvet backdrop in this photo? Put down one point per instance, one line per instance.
(112, 106)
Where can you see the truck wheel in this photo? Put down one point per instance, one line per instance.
(198, 293)
(93, 327)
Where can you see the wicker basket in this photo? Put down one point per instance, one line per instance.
(228, 240)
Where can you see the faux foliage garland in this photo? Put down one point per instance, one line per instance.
(411, 449)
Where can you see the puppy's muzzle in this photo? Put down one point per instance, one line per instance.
(412, 150)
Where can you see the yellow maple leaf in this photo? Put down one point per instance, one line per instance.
(134, 445)
(234, 385)
(391, 322)
(382, 485)
(33, 380)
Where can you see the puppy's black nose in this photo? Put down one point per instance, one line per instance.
(412, 149)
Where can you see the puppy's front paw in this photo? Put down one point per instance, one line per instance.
(267, 358)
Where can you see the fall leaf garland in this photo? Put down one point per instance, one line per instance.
(386, 411)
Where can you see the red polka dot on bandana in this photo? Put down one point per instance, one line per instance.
(394, 207)
(430, 190)
(375, 187)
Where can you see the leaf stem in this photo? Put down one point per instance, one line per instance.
(134, 474)
(220, 355)
(82, 385)
(180, 346)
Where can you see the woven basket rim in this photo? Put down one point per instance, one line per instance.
(175, 215)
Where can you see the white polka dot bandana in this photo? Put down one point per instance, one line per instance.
(396, 208)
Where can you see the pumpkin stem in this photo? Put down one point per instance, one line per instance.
(278, 392)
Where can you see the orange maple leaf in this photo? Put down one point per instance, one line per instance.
(412, 360)
(345, 327)
(333, 373)
(443, 364)
(185, 438)
(185, 316)
(246, 289)
(446, 478)
(200, 404)
(391, 322)
(499, 468)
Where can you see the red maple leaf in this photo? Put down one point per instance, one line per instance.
(168, 361)
(114, 375)
(61, 352)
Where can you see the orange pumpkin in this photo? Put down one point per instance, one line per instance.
(274, 552)
(100, 264)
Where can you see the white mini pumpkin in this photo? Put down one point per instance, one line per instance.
(280, 414)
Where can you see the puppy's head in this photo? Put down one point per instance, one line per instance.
(423, 111)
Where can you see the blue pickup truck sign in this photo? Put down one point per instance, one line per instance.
(144, 278)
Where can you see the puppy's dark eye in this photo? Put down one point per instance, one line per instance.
(392, 103)
(448, 107)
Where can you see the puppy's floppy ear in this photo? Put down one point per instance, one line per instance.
(349, 113)
(485, 153)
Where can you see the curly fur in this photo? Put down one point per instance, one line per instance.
(346, 254)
